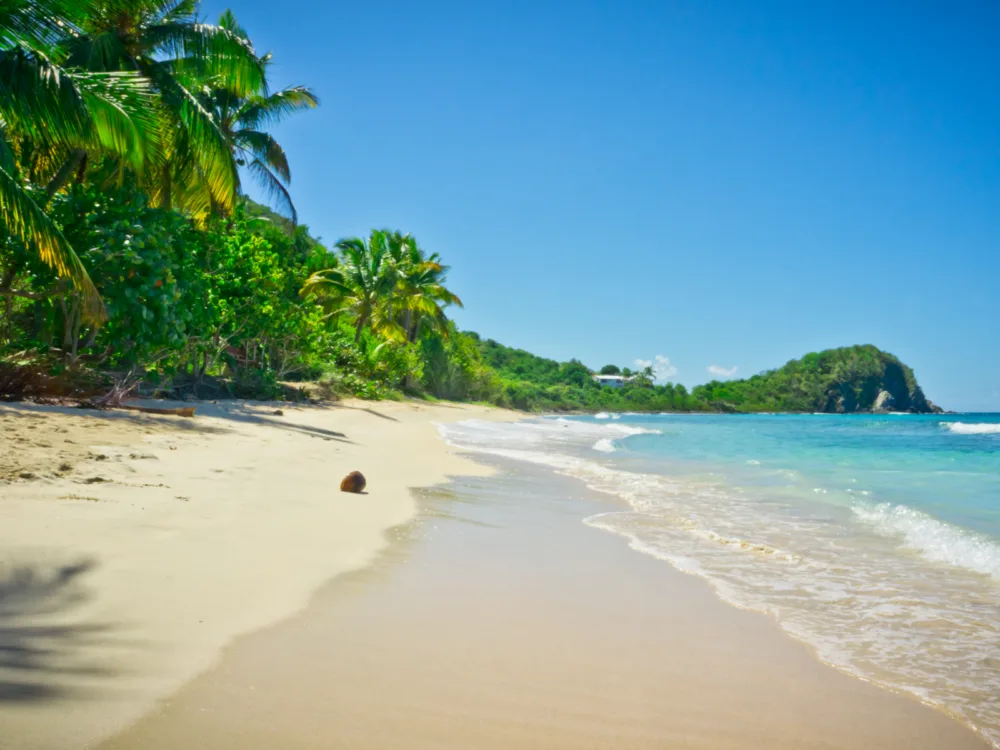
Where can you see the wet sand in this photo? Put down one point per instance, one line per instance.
(498, 620)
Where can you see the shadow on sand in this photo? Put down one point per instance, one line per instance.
(255, 413)
(28, 411)
(39, 651)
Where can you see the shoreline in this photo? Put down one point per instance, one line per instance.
(125, 658)
(494, 621)
(135, 548)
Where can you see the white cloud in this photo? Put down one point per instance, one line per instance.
(662, 369)
(722, 372)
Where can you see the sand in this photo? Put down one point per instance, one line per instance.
(134, 548)
(497, 620)
(192, 599)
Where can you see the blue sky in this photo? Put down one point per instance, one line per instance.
(726, 184)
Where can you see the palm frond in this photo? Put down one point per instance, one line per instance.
(330, 281)
(39, 99)
(265, 148)
(222, 56)
(278, 196)
(28, 223)
(39, 23)
(202, 139)
(177, 12)
(265, 111)
(228, 22)
(123, 113)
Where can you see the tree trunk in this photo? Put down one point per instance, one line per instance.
(407, 317)
(81, 170)
(412, 332)
(62, 176)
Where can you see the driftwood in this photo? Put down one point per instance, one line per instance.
(183, 411)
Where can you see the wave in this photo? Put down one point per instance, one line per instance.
(629, 430)
(602, 415)
(966, 428)
(866, 600)
(935, 540)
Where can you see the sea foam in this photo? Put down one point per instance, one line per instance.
(935, 540)
(867, 598)
(965, 428)
(605, 445)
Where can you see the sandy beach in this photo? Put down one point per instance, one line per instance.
(202, 583)
(133, 548)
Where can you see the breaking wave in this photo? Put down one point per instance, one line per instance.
(965, 428)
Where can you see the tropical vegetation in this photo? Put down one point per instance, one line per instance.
(131, 257)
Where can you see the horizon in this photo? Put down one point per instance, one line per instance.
(777, 180)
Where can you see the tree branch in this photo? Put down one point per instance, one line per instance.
(53, 292)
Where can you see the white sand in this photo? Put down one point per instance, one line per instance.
(113, 594)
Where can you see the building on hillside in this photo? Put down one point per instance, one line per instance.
(611, 381)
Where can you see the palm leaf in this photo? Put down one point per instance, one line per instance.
(265, 148)
(39, 23)
(39, 99)
(264, 111)
(177, 11)
(277, 194)
(27, 222)
(201, 138)
(221, 55)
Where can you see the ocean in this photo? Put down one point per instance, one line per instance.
(874, 539)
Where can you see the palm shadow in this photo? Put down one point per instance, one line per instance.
(39, 651)
(257, 414)
(366, 409)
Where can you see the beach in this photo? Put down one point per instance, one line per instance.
(134, 547)
(214, 589)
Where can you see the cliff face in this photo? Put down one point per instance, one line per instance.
(848, 380)
(891, 387)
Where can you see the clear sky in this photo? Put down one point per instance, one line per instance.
(727, 184)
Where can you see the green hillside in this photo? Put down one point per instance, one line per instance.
(846, 380)
(837, 381)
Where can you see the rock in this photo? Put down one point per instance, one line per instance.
(279, 413)
(884, 402)
(353, 482)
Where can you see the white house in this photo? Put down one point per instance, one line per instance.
(611, 381)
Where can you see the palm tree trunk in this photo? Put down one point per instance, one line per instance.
(407, 317)
(412, 333)
(61, 177)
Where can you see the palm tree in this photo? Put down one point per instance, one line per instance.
(387, 283)
(421, 288)
(242, 119)
(164, 42)
(47, 110)
(363, 286)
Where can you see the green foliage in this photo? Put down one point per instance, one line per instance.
(848, 379)
(454, 368)
(124, 127)
(534, 383)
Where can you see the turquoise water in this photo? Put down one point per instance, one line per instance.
(875, 539)
(918, 461)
